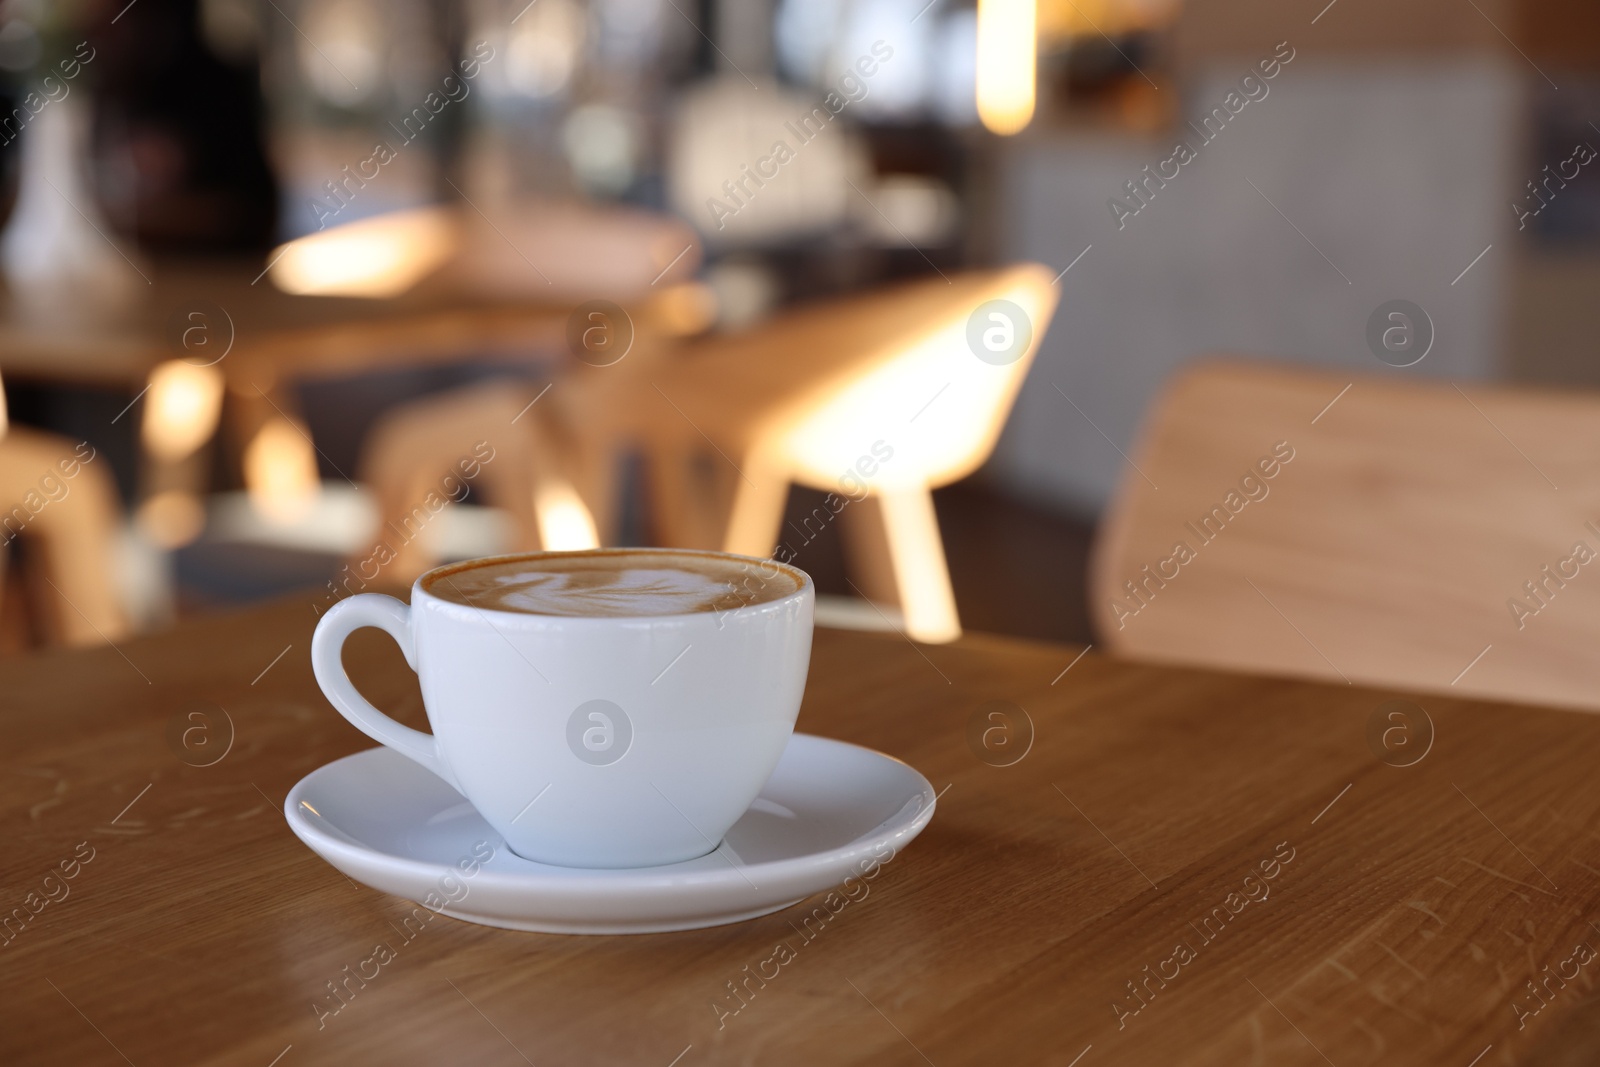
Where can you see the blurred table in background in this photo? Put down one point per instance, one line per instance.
(203, 333)
(431, 286)
(69, 336)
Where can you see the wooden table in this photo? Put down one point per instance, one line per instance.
(262, 342)
(490, 301)
(508, 284)
(1335, 908)
(64, 337)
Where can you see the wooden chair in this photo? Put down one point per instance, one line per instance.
(476, 436)
(61, 501)
(1383, 530)
(877, 399)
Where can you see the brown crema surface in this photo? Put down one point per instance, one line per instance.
(614, 583)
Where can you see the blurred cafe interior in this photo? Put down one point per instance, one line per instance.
(1163, 397)
(282, 277)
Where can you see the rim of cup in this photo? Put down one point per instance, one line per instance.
(420, 591)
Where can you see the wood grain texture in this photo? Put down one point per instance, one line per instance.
(1389, 550)
(1416, 903)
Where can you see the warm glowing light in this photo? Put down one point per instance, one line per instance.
(545, 47)
(1062, 21)
(181, 408)
(377, 257)
(347, 65)
(564, 522)
(280, 471)
(685, 309)
(171, 519)
(1007, 45)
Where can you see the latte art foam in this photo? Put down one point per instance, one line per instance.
(614, 584)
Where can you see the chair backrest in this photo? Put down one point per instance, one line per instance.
(925, 367)
(938, 394)
(1401, 533)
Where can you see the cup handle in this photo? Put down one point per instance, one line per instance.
(394, 618)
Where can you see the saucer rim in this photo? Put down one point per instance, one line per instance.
(615, 927)
(625, 882)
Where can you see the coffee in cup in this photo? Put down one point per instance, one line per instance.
(609, 708)
(629, 582)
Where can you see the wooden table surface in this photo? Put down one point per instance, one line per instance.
(1232, 846)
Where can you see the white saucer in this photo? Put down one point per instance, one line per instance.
(829, 809)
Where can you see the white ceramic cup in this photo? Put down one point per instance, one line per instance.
(601, 741)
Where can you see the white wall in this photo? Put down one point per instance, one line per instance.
(1400, 172)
